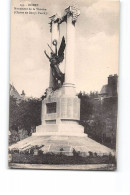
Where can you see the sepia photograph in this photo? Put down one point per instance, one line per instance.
(63, 88)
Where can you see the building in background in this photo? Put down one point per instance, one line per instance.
(107, 105)
(109, 90)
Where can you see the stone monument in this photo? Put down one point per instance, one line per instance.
(60, 131)
(61, 107)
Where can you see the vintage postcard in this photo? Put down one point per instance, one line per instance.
(64, 59)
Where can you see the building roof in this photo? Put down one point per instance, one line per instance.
(19, 97)
(14, 92)
(104, 90)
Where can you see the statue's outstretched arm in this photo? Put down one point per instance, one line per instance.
(47, 55)
(50, 48)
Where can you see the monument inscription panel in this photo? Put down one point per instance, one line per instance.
(51, 107)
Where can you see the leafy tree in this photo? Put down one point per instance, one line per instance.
(86, 106)
(13, 114)
(29, 114)
(24, 114)
(99, 117)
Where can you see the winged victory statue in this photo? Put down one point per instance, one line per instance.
(55, 59)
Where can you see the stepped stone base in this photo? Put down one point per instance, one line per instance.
(60, 129)
(65, 144)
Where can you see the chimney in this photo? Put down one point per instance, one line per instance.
(23, 94)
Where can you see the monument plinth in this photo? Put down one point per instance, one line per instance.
(61, 107)
(60, 115)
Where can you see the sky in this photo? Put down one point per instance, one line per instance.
(97, 45)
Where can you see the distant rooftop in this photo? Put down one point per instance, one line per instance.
(110, 89)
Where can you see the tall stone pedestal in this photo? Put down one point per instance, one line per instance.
(61, 108)
(60, 115)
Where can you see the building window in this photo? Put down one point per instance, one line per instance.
(51, 107)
